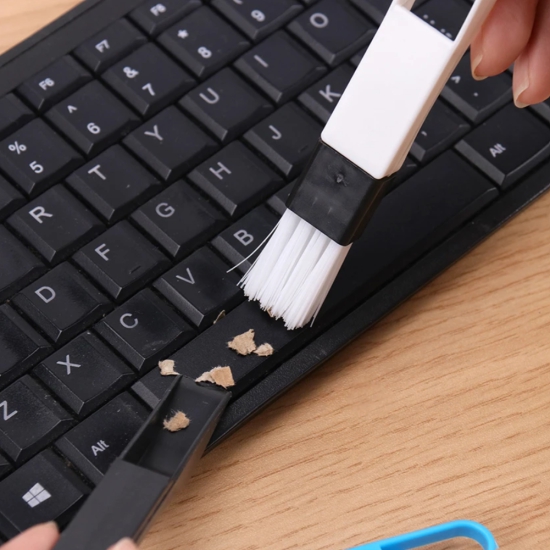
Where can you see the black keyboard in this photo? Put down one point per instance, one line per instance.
(148, 146)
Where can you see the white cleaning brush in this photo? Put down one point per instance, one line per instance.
(365, 141)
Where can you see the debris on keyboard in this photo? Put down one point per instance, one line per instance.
(244, 343)
(177, 422)
(221, 376)
(167, 368)
(220, 316)
(265, 350)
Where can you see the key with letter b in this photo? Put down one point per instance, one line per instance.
(243, 237)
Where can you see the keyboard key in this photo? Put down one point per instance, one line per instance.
(333, 30)
(210, 348)
(92, 118)
(121, 261)
(144, 330)
(201, 288)
(543, 109)
(20, 346)
(5, 469)
(19, 266)
(113, 184)
(109, 46)
(321, 98)
(170, 144)
(203, 42)
(507, 145)
(30, 419)
(10, 199)
(441, 130)
(35, 157)
(236, 179)
(476, 100)
(44, 489)
(148, 79)
(447, 16)
(226, 105)
(280, 67)
(258, 18)
(287, 138)
(51, 85)
(13, 114)
(84, 374)
(95, 443)
(278, 201)
(179, 219)
(154, 16)
(62, 303)
(241, 239)
(56, 224)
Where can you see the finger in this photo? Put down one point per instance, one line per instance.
(124, 544)
(503, 36)
(40, 537)
(532, 69)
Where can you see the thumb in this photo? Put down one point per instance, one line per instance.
(40, 537)
(124, 544)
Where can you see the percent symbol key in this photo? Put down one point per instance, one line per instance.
(35, 157)
(17, 148)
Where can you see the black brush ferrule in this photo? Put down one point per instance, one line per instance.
(336, 196)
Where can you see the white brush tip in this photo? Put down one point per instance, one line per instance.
(294, 272)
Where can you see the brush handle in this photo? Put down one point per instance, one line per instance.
(396, 84)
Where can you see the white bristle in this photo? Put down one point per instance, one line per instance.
(294, 272)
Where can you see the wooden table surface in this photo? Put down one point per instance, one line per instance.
(441, 412)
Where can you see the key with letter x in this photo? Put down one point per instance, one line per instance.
(84, 374)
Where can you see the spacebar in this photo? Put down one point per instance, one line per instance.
(409, 222)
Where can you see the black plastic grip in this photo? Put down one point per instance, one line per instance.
(153, 464)
(336, 196)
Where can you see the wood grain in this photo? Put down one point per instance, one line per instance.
(441, 412)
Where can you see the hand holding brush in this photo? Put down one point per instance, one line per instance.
(370, 133)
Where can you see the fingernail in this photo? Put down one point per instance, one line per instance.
(124, 544)
(475, 64)
(521, 81)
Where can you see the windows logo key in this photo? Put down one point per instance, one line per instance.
(36, 495)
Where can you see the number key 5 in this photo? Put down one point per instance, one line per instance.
(35, 157)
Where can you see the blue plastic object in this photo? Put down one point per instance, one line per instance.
(438, 533)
